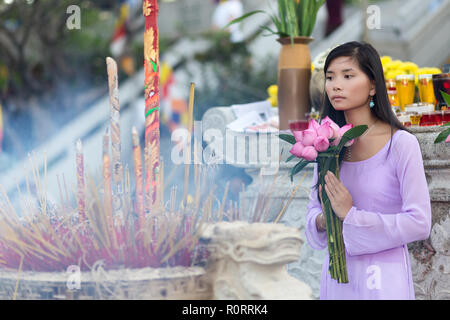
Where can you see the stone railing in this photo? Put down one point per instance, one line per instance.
(429, 259)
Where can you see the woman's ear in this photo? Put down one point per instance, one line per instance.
(373, 89)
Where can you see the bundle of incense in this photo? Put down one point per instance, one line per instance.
(115, 127)
(106, 177)
(148, 178)
(138, 177)
(188, 148)
(80, 182)
(161, 184)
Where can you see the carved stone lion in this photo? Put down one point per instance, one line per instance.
(248, 261)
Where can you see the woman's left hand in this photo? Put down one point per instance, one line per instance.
(341, 200)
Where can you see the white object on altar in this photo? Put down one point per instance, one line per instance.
(263, 108)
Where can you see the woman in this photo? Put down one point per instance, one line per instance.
(382, 196)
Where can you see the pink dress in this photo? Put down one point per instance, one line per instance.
(391, 208)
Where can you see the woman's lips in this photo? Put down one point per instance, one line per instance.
(337, 99)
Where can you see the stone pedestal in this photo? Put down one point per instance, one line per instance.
(429, 259)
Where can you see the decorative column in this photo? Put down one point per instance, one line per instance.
(151, 64)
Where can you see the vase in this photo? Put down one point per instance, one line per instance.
(294, 75)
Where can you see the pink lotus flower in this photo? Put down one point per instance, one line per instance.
(298, 135)
(333, 126)
(297, 149)
(308, 137)
(309, 153)
(325, 130)
(448, 139)
(321, 143)
(313, 124)
(341, 132)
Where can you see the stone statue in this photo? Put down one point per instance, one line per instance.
(248, 261)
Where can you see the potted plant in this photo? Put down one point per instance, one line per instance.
(294, 24)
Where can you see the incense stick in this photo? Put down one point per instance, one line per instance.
(138, 176)
(80, 182)
(188, 145)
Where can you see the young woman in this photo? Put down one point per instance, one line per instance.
(382, 196)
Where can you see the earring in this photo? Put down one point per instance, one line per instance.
(371, 103)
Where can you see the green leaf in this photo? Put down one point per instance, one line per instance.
(288, 138)
(290, 158)
(298, 167)
(270, 30)
(446, 97)
(282, 15)
(292, 23)
(326, 154)
(446, 124)
(245, 16)
(312, 22)
(352, 134)
(442, 136)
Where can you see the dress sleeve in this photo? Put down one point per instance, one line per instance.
(367, 232)
(317, 240)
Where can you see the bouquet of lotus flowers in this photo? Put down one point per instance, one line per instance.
(322, 144)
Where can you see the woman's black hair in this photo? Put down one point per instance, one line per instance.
(369, 62)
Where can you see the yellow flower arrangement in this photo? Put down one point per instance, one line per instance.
(393, 68)
(273, 95)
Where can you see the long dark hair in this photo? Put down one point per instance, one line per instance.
(370, 63)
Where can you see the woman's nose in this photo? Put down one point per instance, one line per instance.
(336, 86)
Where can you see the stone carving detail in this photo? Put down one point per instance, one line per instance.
(248, 261)
(432, 273)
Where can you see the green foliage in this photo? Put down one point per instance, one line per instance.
(444, 134)
(294, 19)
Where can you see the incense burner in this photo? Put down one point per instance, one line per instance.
(177, 283)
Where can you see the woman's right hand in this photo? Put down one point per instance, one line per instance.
(320, 223)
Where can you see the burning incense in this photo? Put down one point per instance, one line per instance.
(106, 175)
(188, 146)
(115, 123)
(80, 182)
(138, 177)
(151, 65)
(148, 179)
(161, 184)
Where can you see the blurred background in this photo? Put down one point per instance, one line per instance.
(53, 81)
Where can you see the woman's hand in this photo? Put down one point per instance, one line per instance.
(340, 199)
(321, 224)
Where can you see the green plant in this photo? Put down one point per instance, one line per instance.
(446, 133)
(295, 18)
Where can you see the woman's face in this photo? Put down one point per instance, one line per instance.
(347, 86)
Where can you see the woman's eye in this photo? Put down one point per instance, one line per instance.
(328, 78)
(347, 76)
